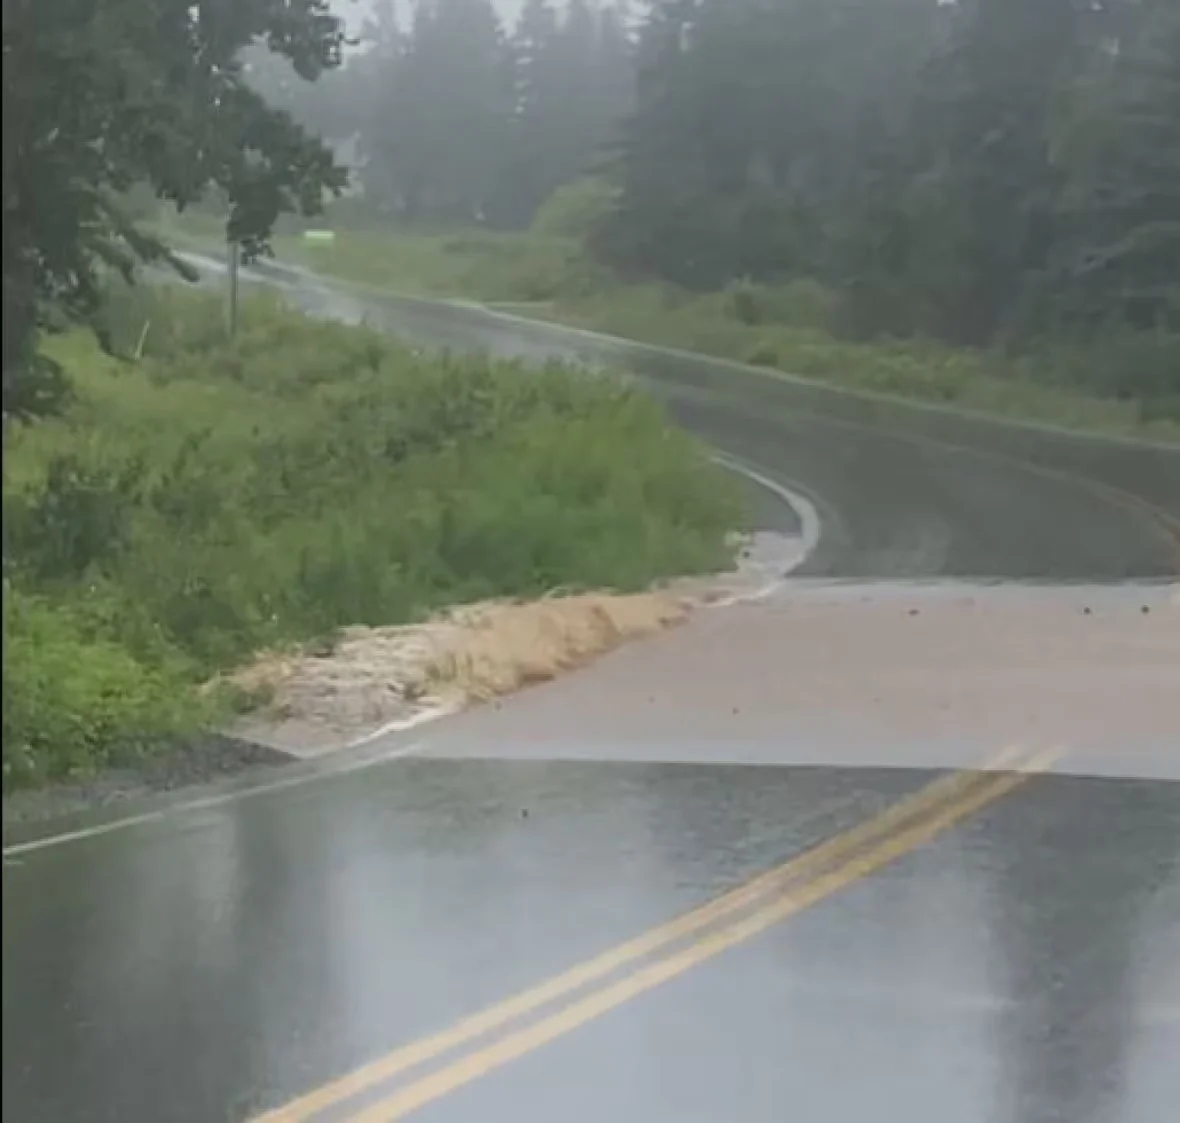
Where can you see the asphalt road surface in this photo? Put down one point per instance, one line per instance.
(494, 939)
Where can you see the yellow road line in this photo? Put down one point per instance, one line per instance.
(408, 1056)
(533, 1036)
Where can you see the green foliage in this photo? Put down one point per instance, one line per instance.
(996, 174)
(799, 303)
(216, 498)
(1121, 382)
(106, 101)
(751, 128)
(1118, 211)
(459, 119)
(478, 264)
(1073, 383)
(575, 210)
(75, 702)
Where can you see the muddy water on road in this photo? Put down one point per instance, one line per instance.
(926, 675)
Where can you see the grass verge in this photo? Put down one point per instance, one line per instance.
(215, 499)
(790, 329)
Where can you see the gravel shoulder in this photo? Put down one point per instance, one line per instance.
(201, 759)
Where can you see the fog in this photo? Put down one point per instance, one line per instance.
(354, 13)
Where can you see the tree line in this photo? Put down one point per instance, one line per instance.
(453, 117)
(981, 171)
(975, 170)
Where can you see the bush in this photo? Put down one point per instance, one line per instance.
(216, 498)
(800, 303)
(1142, 367)
(576, 211)
(790, 328)
(74, 703)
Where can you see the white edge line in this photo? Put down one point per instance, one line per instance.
(204, 803)
(810, 524)
(810, 529)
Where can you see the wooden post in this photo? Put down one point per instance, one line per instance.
(232, 255)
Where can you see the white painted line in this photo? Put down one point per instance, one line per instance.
(810, 530)
(206, 802)
(810, 524)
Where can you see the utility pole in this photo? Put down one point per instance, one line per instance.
(233, 252)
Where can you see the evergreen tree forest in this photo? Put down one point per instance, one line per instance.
(977, 170)
(985, 173)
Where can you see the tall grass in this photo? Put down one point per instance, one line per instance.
(794, 328)
(1070, 383)
(216, 498)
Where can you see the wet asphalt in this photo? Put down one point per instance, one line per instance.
(1021, 966)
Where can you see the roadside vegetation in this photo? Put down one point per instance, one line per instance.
(213, 499)
(793, 327)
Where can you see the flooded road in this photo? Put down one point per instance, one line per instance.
(593, 904)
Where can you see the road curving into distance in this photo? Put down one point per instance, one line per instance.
(469, 926)
(905, 491)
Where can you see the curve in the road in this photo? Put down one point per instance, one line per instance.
(904, 490)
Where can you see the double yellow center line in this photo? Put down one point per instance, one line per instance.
(683, 943)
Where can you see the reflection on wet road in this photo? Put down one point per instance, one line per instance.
(746, 943)
(1019, 966)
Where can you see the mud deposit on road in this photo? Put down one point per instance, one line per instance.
(934, 675)
(371, 680)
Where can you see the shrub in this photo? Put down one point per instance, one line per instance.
(215, 498)
(576, 210)
(74, 703)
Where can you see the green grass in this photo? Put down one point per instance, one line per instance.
(482, 265)
(214, 499)
(788, 329)
(1042, 387)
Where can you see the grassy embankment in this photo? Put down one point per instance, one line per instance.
(210, 500)
(790, 328)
